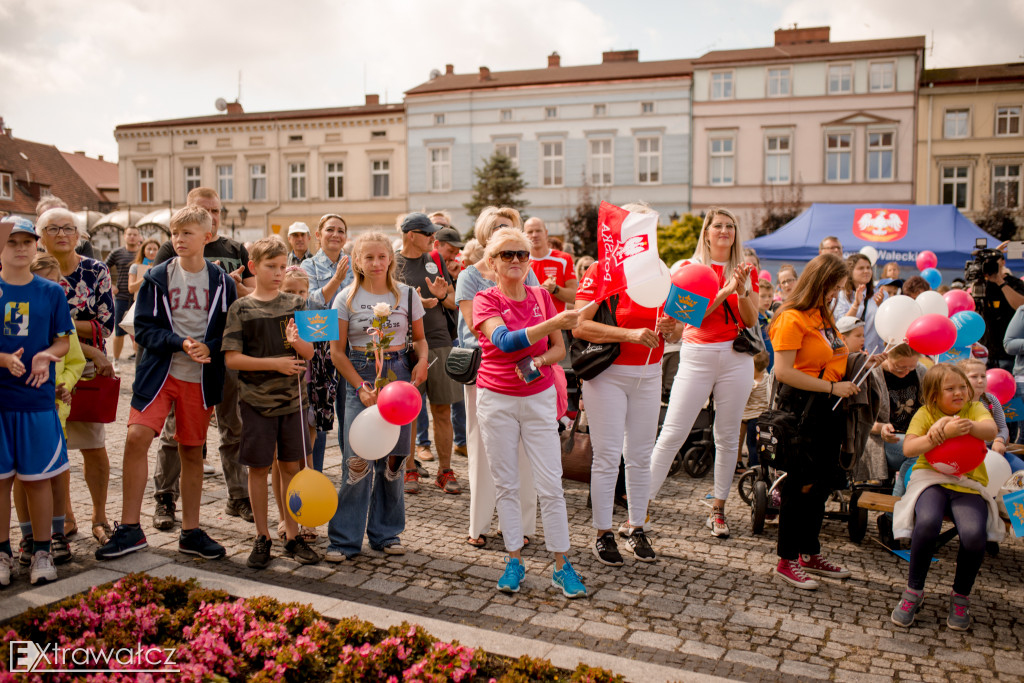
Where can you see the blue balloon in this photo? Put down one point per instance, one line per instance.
(970, 327)
(932, 277)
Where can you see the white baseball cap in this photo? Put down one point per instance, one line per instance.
(297, 227)
(848, 323)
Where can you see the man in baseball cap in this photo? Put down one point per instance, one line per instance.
(298, 237)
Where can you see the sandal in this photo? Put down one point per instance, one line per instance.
(308, 534)
(526, 541)
(477, 542)
(71, 530)
(101, 532)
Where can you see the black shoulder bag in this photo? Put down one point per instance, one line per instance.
(748, 340)
(588, 359)
(778, 432)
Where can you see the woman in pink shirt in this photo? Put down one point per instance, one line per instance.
(520, 341)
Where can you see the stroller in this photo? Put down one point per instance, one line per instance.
(760, 487)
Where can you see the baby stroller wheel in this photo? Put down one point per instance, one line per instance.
(697, 461)
(677, 464)
(758, 506)
(745, 486)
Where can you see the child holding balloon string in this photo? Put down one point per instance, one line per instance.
(949, 430)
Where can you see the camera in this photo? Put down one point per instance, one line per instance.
(984, 263)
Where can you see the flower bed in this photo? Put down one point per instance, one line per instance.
(142, 622)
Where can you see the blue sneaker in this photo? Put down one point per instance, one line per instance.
(569, 581)
(513, 576)
(196, 542)
(124, 540)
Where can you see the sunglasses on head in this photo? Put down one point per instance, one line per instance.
(507, 256)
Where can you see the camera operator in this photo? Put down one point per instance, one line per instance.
(1004, 294)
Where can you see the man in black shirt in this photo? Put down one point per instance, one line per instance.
(1004, 294)
(119, 261)
(232, 257)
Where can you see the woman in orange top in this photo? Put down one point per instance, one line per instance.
(810, 361)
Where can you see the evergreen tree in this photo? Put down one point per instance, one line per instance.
(498, 183)
(581, 226)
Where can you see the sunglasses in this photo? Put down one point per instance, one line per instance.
(507, 256)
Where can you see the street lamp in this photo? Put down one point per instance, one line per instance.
(242, 213)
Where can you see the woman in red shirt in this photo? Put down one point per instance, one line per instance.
(708, 363)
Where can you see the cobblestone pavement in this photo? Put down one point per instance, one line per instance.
(706, 605)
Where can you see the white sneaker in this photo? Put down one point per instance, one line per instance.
(208, 469)
(42, 568)
(625, 529)
(334, 556)
(716, 522)
(7, 569)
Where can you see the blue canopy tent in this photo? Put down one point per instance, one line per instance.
(898, 231)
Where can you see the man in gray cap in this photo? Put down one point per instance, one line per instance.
(417, 268)
(298, 237)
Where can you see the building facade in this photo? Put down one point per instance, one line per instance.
(806, 120)
(971, 138)
(280, 166)
(621, 127)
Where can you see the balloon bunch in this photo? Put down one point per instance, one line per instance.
(933, 324)
(926, 263)
(376, 429)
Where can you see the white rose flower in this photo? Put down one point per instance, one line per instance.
(381, 310)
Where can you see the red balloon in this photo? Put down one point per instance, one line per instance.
(926, 259)
(931, 334)
(958, 455)
(697, 278)
(1000, 384)
(958, 300)
(399, 402)
(764, 275)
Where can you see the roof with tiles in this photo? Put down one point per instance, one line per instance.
(810, 50)
(100, 175)
(969, 75)
(36, 168)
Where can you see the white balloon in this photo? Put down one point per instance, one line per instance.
(653, 291)
(871, 253)
(932, 302)
(894, 317)
(371, 436)
(998, 470)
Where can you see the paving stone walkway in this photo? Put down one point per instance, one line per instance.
(707, 605)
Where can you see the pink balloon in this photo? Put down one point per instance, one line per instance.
(931, 334)
(958, 455)
(698, 279)
(958, 300)
(399, 403)
(1000, 384)
(926, 259)
(765, 275)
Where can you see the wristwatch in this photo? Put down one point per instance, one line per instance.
(555, 290)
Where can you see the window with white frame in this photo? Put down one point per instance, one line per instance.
(7, 186)
(599, 161)
(551, 112)
(438, 119)
(146, 186)
(777, 158)
(257, 182)
(840, 79)
(439, 160)
(956, 123)
(779, 81)
(552, 156)
(506, 114)
(193, 178)
(1005, 186)
(1007, 120)
(600, 110)
(722, 162)
(838, 157)
(955, 184)
(882, 77)
(334, 173)
(380, 172)
(648, 160)
(881, 155)
(509, 149)
(721, 85)
(226, 182)
(647, 107)
(297, 180)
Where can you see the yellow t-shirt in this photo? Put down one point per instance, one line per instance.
(923, 420)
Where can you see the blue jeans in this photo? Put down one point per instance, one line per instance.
(1016, 464)
(894, 457)
(319, 447)
(370, 499)
(459, 422)
(423, 424)
(339, 410)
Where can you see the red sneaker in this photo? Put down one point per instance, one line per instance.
(412, 482)
(816, 564)
(446, 482)
(792, 573)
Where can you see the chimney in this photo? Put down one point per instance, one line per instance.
(235, 108)
(800, 36)
(620, 56)
(554, 60)
(79, 153)
(100, 157)
(372, 99)
(449, 69)
(485, 73)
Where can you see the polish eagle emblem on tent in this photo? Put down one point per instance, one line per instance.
(880, 225)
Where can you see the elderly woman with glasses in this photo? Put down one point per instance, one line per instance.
(520, 341)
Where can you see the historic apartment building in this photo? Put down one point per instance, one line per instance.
(621, 126)
(806, 118)
(971, 138)
(279, 166)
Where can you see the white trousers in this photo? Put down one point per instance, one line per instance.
(505, 421)
(481, 483)
(703, 369)
(622, 405)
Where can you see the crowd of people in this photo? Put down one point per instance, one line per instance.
(213, 331)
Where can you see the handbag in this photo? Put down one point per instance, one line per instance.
(590, 359)
(95, 400)
(779, 437)
(462, 364)
(748, 340)
(577, 453)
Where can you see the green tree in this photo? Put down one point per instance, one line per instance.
(581, 226)
(679, 239)
(498, 183)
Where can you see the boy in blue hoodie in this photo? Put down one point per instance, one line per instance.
(180, 313)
